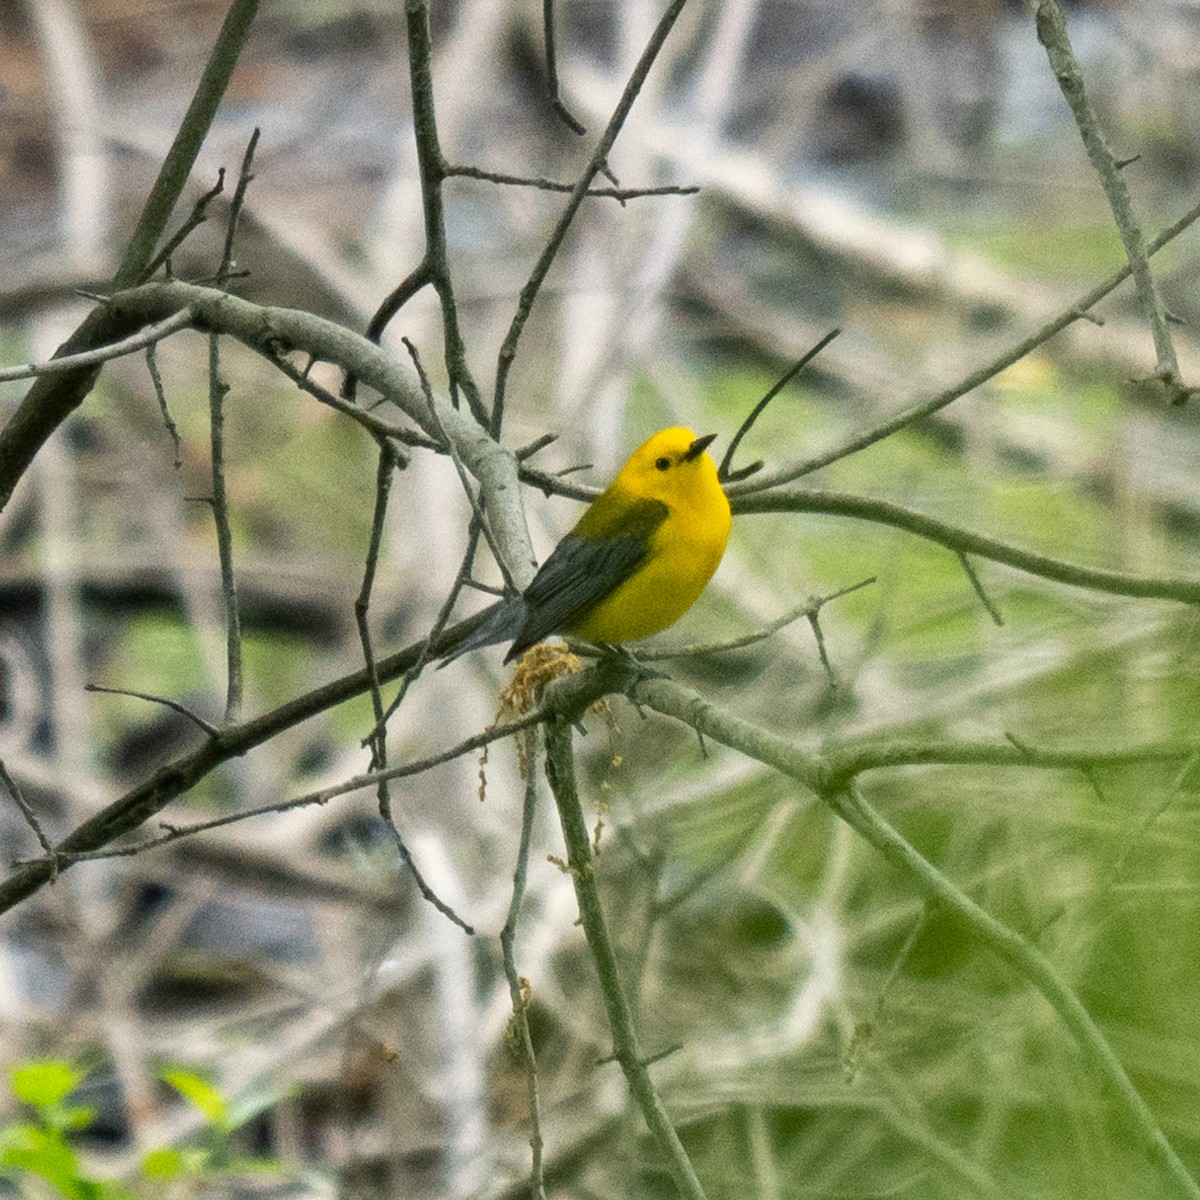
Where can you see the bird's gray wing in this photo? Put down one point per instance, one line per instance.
(583, 571)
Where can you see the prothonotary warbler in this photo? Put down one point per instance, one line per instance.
(635, 562)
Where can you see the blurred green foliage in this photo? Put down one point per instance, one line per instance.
(40, 1147)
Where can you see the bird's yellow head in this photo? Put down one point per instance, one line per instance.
(673, 466)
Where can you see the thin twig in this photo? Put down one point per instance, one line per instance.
(814, 621)
(518, 988)
(812, 605)
(322, 796)
(235, 206)
(173, 705)
(529, 293)
(431, 166)
(30, 816)
(144, 339)
(977, 584)
(196, 217)
(1052, 33)
(378, 736)
(362, 605)
(556, 102)
(621, 195)
(371, 423)
(725, 472)
(161, 395)
(399, 296)
(427, 651)
(220, 508)
(423, 887)
(538, 443)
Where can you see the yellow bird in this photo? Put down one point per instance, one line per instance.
(635, 562)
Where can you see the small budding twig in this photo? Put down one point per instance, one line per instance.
(552, 70)
(198, 216)
(362, 605)
(621, 195)
(161, 396)
(235, 207)
(217, 390)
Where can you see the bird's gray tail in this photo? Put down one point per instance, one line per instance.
(500, 623)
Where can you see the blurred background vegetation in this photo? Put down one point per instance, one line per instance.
(907, 171)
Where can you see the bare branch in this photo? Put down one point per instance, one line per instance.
(50, 401)
(322, 796)
(144, 339)
(529, 292)
(1185, 591)
(560, 770)
(1052, 33)
(161, 395)
(432, 167)
(977, 585)
(519, 990)
(968, 383)
(196, 218)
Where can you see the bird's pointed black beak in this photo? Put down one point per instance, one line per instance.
(698, 447)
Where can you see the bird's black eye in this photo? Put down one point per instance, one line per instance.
(662, 463)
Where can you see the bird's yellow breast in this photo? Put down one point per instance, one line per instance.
(682, 554)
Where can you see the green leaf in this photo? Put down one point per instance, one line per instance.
(201, 1094)
(76, 1116)
(163, 1164)
(46, 1154)
(43, 1084)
